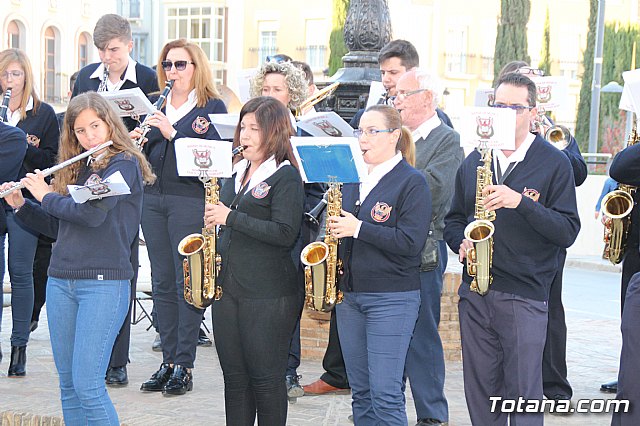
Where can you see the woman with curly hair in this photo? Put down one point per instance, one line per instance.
(283, 81)
(88, 287)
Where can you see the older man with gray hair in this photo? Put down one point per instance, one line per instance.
(438, 156)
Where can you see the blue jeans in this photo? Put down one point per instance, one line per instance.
(22, 250)
(375, 330)
(84, 319)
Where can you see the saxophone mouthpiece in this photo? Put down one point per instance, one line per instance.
(238, 150)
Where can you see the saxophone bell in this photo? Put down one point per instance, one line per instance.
(617, 206)
(479, 258)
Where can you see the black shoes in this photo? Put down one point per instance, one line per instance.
(610, 387)
(158, 379)
(117, 376)
(430, 422)
(157, 344)
(179, 383)
(203, 339)
(18, 364)
(294, 390)
(33, 326)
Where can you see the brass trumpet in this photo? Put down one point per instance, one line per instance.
(316, 98)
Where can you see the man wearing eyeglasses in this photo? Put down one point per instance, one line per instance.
(112, 37)
(503, 332)
(438, 156)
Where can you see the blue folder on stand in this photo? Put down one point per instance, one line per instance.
(329, 159)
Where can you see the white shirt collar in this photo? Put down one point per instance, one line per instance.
(515, 157)
(13, 118)
(425, 128)
(129, 74)
(175, 114)
(266, 169)
(378, 172)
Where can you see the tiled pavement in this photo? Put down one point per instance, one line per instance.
(593, 347)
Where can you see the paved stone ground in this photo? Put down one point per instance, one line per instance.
(593, 348)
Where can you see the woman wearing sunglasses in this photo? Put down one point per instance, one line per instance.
(38, 120)
(174, 205)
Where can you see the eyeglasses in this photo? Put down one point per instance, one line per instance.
(529, 70)
(180, 65)
(401, 96)
(12, 74)
(519, 109)
(371, 132)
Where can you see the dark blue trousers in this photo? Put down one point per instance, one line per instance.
(166, 219)
(425, 359)
(629, 375)
(503, 339)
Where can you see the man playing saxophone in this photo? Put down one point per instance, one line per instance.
(503, 333)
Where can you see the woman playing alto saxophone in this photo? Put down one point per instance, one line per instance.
(260, 213)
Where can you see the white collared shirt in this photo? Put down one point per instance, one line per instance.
(175, 114)
(373, 178)
(425, 128)
(516, 156)
(13, 117)
(266, 169)
(129, 74)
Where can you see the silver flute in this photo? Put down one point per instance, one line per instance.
(52, 170)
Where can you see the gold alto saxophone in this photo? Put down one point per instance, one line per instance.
(480, 231)
(321, 261)
(202, 262)
(617, 206)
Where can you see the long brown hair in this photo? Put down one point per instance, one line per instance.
(70, 146)
(393, 120)
(274, 121)
(9, 56)
(202, 80)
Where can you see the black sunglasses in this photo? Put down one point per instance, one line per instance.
(180, 65)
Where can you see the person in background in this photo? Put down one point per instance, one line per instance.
(174, 205)
(260, 213)
(38, 120)
(88, 288)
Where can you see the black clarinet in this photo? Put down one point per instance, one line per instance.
(145, 127)
(4, 108)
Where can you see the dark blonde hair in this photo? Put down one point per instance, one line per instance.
(70, 146)
(393, 120)
(109, 27)
(9, 56)
(294, 79)
(275, 126)
(202, 80)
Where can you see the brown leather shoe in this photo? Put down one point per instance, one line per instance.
(320, 387)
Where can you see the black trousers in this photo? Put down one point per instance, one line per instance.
(252, 340)
(554, 359)
(120, 351)
(335, 371)
(40, 275)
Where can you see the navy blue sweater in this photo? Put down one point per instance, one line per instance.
(162, 155)
(13, 146)
(93, 239)
(146, 78)
(41, 128)
(386, 255)
(527, 239)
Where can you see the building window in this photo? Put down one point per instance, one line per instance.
(139, 52)
(267, 40)
(207, 27)
(83, 50)
(315, 37)
(131, 9)
(456, 48)
(50, 65)
(13, 35)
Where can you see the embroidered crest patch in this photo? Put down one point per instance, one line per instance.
(531, 193)
(381, 211)
(261, 190)
(33, 140)
(200, 125)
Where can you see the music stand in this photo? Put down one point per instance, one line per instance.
(329, 159)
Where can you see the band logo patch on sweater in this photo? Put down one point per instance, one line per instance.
(261, 190)
(531, 193)
(200, 125)
(33, 140)
(381, 211)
